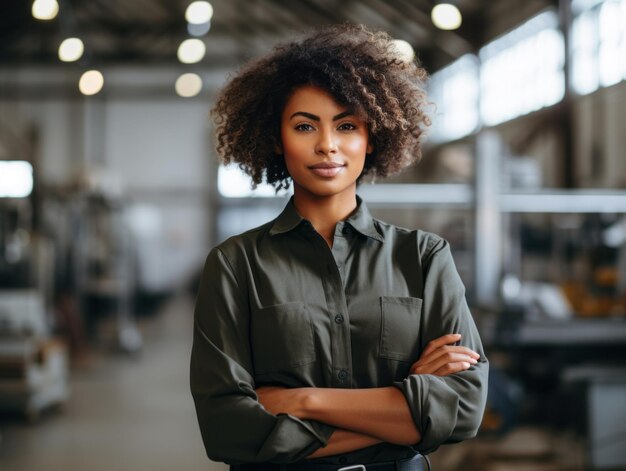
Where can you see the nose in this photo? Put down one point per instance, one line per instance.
(326, 144)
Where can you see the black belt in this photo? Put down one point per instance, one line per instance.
(416, 463)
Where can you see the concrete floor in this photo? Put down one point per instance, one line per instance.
(125, 413)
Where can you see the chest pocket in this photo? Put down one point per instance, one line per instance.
(282, 337)
(400, 328)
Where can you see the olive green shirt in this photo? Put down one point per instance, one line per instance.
(277, 306)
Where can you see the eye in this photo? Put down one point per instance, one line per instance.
(303, 127)
(347, 127)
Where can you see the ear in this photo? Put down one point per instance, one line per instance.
(370, 148)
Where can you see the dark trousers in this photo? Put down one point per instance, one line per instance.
(417, 463)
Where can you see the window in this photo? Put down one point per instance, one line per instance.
(522, 71)
(16, 179)
(454, 90)
(598, 44)
(233, 183)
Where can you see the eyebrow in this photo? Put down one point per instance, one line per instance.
(317, 118)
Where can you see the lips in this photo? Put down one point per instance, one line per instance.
(327, 169)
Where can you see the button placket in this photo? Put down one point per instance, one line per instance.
(342, 376)
(333, 283)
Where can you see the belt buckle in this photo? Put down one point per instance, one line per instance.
(353, 467)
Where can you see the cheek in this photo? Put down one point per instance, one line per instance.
(357, 147)
(294, 146)
(294, 151)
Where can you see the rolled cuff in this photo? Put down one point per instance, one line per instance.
(289, 434)
(434, 407)
(320, 430)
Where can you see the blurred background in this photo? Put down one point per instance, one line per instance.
(111, 197)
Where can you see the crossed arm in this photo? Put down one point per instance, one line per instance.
(366, 417)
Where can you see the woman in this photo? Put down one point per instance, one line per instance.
(326, 338)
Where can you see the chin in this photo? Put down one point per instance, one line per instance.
(325, 190)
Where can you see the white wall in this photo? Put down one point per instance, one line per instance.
(158, 145)
(160, 150)
(151, 143)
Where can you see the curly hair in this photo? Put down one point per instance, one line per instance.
(361, 69)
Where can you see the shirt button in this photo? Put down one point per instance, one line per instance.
(338, 318)
(342, 375)
(343, 460)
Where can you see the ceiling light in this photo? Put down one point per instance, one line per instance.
(191, 51)
(198, 29)
(71, 49)
(45, 9)
(446, 16)
(188, 85)
(199, 12)
(91, 82)
(16, 179)
(404, 50)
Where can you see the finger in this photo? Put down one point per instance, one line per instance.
(433, 367)
(453, 349)
(440, 342)
(442, 360)
(432, 356)
(449, 357)
(452, 368)
(428, 357)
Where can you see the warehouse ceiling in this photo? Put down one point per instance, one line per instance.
(148, 32)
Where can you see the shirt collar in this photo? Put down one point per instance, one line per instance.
(361, 220)
(287, 220)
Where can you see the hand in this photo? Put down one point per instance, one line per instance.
(280, 400)
(442, 358)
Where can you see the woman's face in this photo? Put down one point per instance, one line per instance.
(323, 143)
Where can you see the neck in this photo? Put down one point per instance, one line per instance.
(324, 212)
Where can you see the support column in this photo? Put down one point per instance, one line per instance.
(488, 261)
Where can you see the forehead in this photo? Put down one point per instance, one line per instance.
(312, 98)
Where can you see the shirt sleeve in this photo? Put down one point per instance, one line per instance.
(446, 409)
(235, 427)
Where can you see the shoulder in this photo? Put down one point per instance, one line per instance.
(427, 243)
(239, 245)
(228, 258)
